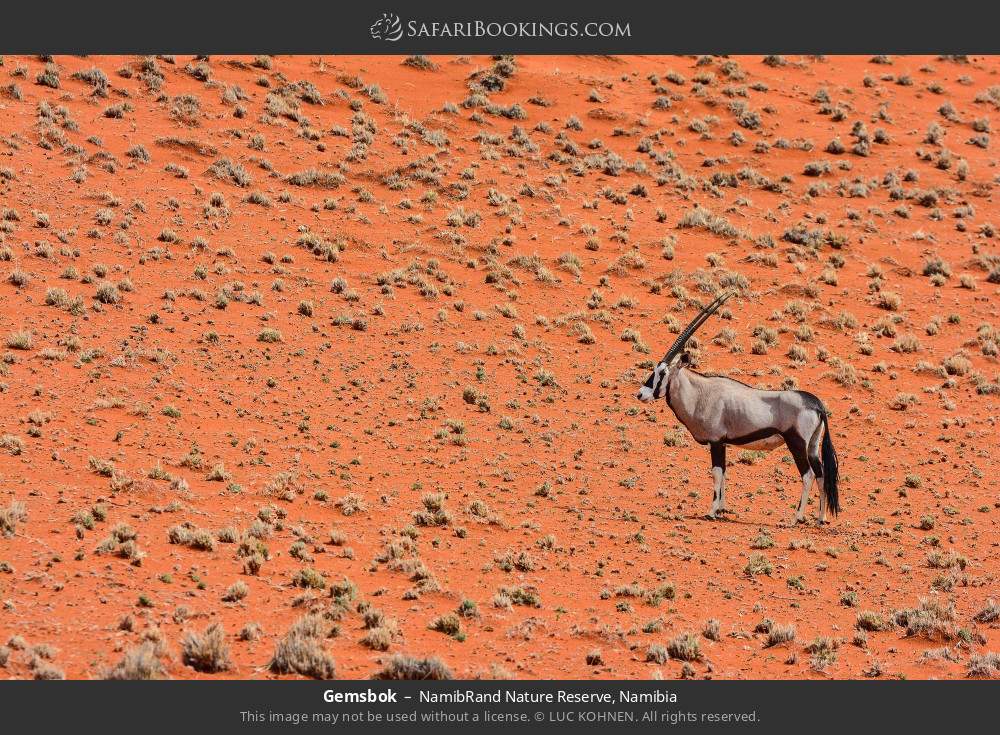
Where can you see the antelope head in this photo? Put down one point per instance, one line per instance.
(676, 358)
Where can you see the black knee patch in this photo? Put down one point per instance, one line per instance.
(719, 456)
(797, 446)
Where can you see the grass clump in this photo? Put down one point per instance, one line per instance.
(108, 293)
(192, 537)
(227, 170)
(989, 614)
(405, 668)
(985, 665)
(141, 663)
(931, 619)
(657, 654)
(10, 516)
(778, 634)
(871, 621)
(378, 639)
(433, 513)
(20, 340)
(206, 652)
(449, 624)
(685, 647)
(236, 592)
(823, 653)
(309, 578)
(758, 564)
(301, 650)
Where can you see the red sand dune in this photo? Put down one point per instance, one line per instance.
(388, 321)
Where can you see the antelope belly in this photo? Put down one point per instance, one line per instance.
(765, 445)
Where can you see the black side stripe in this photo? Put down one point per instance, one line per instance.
(753, 436)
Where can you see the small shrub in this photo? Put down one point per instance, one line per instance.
(448, 624)
(301, 650)
(20, 340)
(758, 564)
(206, 652)
(657, 654)
(309, 578)
(404, 668)
(236, 592)
(932, 620)
(685, 647)
(377, 639)
(871, 621)
(108, 293)
(778, 634)
(823, 652)
(10, 516)
(984, 665)
(141, 663)
(989, 614)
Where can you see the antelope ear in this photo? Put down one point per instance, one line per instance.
(685, 358)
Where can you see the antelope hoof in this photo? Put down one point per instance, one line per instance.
(798, 519)
(711, 517)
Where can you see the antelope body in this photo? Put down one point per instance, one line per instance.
(720, 412)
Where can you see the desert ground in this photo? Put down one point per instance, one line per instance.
(327, 366)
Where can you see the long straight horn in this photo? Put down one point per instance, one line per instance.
(695, 324)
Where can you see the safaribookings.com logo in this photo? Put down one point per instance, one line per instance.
(390, 28)
(387, 28)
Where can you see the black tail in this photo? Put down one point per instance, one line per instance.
(829, 469)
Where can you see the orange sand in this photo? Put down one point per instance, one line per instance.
(580, 481)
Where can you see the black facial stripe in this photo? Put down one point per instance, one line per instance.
(658, 383)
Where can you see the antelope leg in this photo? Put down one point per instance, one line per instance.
(718, 478)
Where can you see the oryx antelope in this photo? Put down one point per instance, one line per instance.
(720, 411)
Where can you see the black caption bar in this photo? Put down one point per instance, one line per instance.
(513, 26)
(815, 707)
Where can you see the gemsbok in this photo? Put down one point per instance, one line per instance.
(719, 411)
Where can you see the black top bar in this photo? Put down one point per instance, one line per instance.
(511, 26)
